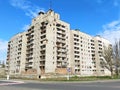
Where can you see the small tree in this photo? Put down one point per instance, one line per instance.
(3, 64)
(117, 56)
(108, 58)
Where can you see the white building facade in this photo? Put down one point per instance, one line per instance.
(16, 55)
(50, 47)
(80, 56)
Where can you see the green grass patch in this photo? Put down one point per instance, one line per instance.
(76, 78)
(73, 78)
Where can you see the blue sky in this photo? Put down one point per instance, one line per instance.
(90, 16)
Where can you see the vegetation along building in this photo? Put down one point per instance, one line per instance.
(50, 47)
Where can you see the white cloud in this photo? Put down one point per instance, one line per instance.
(29, 8)
(3, 49)
(23, 4)
(111, 31)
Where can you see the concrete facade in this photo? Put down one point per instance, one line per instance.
(47, 44)
(99, 44)
(80, 56)
(50, 47)
(16, 55)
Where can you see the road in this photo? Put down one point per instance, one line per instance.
(61, 86)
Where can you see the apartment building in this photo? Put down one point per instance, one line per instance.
(86, 54)
(50, 47)
(16, 54)
(80, 53)
(47, 44)
(98, 45)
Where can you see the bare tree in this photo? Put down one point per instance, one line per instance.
(3, 64)
(116, 49)
(108, 58)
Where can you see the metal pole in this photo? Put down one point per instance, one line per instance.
(8, 77)
(68, 77)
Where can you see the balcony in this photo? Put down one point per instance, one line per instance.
(59, 56)
(30, 41)
(92, 41)
(44, 23)
(63, 34)
(42, 52)
(92, 48)
(63, 41)
(63, 50)
(43, 49)
(59, 40)
(42, 60)
(77, 64)
(77, 67)
(64, 55)
(64, 64)
(29, 50)
(59, 60)
(18, 60)
(43, 37)
(29, 53)
(29, 46)
(43, 27)
(76, 57)
(59, 36)
(61, 29)
(59, 46)
(30, 65)
(43, 32)
(31, 61)
(59, 50)
(59, 65)
(42, 64)
(92, 44)
(100, 45)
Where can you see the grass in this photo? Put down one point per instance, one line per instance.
(74, 78)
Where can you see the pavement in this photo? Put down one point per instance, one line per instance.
(10, 82)
(38, 81)
(59, 85)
